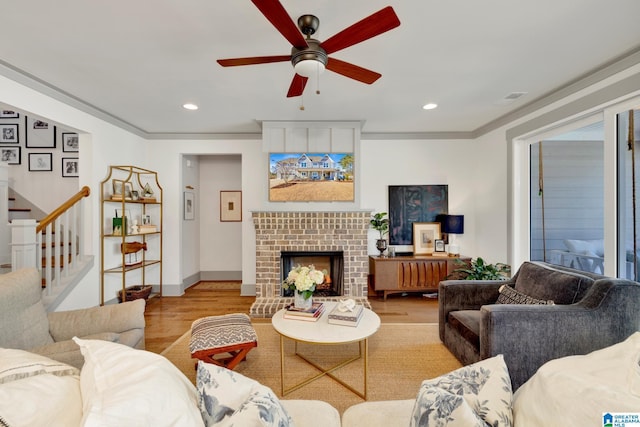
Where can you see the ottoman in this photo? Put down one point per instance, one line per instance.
(223, 340)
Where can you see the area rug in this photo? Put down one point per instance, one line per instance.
(401, 356)
(218, 285)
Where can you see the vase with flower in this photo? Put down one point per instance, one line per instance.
(302, 280)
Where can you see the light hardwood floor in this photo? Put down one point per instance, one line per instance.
(168, 318)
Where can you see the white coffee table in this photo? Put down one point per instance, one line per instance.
(324, 333)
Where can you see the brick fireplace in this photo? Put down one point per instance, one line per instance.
(278, 232)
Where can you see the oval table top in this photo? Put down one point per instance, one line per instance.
(323, 332)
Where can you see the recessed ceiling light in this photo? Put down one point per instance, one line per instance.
(189, 106)
(430, 106)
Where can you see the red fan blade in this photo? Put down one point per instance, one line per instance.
(279, 18)
(352, 71)
(253, 60)
(371, 26)
(297, 86)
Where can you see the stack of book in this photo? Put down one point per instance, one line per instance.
(147, 228)
(310, 315)
(347, 318)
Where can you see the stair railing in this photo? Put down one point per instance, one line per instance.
(63, 248)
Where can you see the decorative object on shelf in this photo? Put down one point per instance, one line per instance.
(381, 224)
(147, 191)
(40, 162)
(452, 225)
(135, 292)
(478, 269)
(425, 235)
(121, 188)
(439, 246)
(230, 206)
(129, 248)
(189, 205)
(303, 281)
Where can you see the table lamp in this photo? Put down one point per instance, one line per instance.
(452, 225)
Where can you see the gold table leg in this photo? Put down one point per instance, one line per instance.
(327, 372)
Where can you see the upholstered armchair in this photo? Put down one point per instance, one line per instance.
(589, 312)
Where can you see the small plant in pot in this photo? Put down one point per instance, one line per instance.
(380, 223)
(478, 269)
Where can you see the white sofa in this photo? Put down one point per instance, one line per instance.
(120, 386)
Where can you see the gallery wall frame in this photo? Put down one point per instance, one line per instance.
(70, 167)
(189, 205)
(10, 155)
(425, 235)
(9, 114)
(39, 134)
(414, 203)
(70, 142)
(9, 133)
(230, 206)
(40, 162)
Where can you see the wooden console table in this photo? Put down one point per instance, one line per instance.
(420, 273)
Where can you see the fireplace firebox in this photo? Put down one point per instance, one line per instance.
(332, 262)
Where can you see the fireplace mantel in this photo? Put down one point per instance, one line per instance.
(308, 231)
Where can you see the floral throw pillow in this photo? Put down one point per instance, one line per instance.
(227, 399)
(475, 395)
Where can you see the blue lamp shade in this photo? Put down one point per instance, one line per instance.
(453, 224)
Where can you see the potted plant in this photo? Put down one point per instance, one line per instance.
(380, 223)
(478, 269)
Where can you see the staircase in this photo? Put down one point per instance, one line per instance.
(54, 245)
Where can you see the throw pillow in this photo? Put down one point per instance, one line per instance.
(41, 400)
(17, 364)
(122, 386)
(228, 398)
(508, 295)
(475, 395)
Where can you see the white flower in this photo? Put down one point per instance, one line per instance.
(304, 279)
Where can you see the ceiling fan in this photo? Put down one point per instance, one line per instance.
(310, 56)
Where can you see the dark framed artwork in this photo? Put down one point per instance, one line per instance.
(70, 142)
(70, 167)
(10, 155)
(39, 134)
(40, 162)
(8, 114)
(414, 203)
(9, 134)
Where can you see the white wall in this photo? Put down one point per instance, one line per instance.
(221, 247)
(189, 252)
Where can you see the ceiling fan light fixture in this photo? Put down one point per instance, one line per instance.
(309, 68)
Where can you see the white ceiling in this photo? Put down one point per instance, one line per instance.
(139, 61)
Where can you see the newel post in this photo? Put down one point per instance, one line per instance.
(23, 244)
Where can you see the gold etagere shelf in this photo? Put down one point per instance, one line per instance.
(131, 214)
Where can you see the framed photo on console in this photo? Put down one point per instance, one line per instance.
(425, 235)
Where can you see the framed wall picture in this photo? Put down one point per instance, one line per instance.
(69, 167)
(9, 134)
(230, 206)
(39, 134)
(70, 142)
(189, 205)
(10, 155)
(414, 203)
(8, 114)
(40, 162)
(425, 235)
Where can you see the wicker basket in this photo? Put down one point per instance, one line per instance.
(136, 292)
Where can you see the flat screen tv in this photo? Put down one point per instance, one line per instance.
(311, 177)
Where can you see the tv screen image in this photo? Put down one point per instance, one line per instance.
(311, 177)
